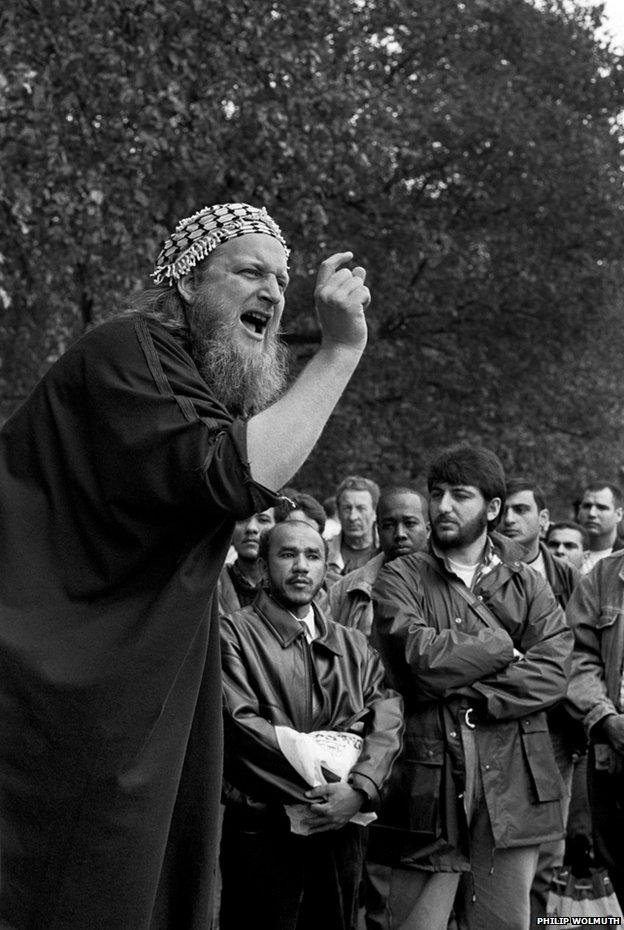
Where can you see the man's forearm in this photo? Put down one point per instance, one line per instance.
(280, 439)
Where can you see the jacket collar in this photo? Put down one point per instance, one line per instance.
(497, 549)
(500, 554)
(287, 629)
(552, 575)
(363, 579)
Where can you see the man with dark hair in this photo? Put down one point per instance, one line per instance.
(525, 518)
(301, 506)
(121, 478)
(355, 545)
(403, 527)
(478, 646)
(288, 673)
(600, 513)
(240, 581)
(567, 540)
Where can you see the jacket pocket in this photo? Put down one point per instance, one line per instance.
(607, 617)
(414, 796)
(540, 759)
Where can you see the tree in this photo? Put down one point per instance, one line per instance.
(468, 152)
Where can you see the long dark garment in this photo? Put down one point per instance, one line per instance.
(277, 880)
(120, 480)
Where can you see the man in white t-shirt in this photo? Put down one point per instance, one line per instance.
(479, 648)
(600, 512)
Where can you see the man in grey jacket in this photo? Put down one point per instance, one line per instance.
(478, 646)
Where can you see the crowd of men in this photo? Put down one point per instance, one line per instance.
(371, 716)
(471, 817)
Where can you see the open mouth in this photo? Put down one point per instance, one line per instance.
(255, 322)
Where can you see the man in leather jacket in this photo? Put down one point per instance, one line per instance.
(288, 672)
(478, 646)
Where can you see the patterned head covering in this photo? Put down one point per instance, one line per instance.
(197, 236)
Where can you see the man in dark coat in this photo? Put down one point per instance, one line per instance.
(596, 695)
(288, 672)
(121, 478)
(478, 646)
(525, 518)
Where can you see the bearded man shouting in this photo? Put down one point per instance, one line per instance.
(121, 479)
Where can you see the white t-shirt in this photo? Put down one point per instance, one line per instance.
(465, 572)
(538, 565)
(592, 558)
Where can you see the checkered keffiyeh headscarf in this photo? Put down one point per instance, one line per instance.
(197, 236)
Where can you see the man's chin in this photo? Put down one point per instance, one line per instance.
(446, 540)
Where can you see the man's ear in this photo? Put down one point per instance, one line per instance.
(264, 570)
(493, 508)
(544, 519)
(186, 286)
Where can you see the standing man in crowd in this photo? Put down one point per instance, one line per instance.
(355, 545)
(596, 692)
(289, 671)
(121, 478)
(240, 581)
(403, 528)
(299, 505)
(525, 518)
(477, 645)
(600, 513)
(568, 540)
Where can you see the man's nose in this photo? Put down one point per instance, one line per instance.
(445, 504)
(270, 290)
(300, 563)
(400, 532)
(509, 516)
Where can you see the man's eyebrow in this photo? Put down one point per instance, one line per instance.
(247, 259)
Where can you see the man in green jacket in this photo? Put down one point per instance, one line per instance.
(478, 646)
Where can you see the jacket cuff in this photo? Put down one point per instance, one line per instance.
(368, 788)
(598, 713)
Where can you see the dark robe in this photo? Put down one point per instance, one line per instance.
(120, 481)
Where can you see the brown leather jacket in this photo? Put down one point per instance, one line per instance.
(440, 655)
(272, 676)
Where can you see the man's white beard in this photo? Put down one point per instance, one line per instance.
(244, 382)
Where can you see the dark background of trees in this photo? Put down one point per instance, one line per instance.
(468, 152)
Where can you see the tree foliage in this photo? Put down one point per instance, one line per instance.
(468, 152)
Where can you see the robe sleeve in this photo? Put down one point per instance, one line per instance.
(158, 435)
